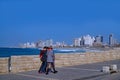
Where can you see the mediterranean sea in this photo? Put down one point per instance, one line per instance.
(7, 52)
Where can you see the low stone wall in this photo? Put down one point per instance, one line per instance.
(27, 63)
(87, 58)
(4, 65)
(24, 63)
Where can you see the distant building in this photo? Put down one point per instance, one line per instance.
(49, 42)
(84, 41)
(40, 44)
(60, 44)
(88, 40)
(112, 41)
(44, 43)
(98, 41)
(28, 45)
(77, 42)
(63, 44)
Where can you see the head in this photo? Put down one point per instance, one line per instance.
(45, 48)
(51, 47)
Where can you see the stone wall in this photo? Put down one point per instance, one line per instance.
(89, 57)
(24, 63)
(27, 62)
(4, 65)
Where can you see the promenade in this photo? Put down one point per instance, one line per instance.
(79, 72)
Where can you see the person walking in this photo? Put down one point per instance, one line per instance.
(43, 58)
(50, 61)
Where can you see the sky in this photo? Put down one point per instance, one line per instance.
(24, 21)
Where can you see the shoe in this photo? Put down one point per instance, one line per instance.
(52, 71)
(46, 73)
(40, 72)
(55, 71)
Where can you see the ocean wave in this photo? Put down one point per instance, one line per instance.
(66, 50)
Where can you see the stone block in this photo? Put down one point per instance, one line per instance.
(106, 69)
(4, 65)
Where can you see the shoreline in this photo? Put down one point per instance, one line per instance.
(35, 51)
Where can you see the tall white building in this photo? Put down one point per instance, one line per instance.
(40, 43)
(112, 40)
(28, 45)
(88, 40)
(44, 43)
(77, 41)
(99, 39)
(49, 42)
(84, 41)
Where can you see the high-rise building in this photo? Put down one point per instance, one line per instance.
(40, 43)
(88, 40)
(82, 42)
(44, 43)
(28, 45)
(49, 42)
(77, 41)
(112, 41)
(99, 39)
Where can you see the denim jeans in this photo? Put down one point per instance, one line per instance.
(43, 67)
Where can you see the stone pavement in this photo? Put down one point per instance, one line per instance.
(80, 72)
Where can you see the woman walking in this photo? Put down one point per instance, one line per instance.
(43, 58)
(50, 60)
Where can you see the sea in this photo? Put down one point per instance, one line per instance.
(7, 52)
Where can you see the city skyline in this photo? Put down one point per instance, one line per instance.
(30, 21)
(82, 41)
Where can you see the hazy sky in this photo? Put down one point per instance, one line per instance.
(61, 20)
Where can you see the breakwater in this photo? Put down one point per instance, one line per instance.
(32, 62)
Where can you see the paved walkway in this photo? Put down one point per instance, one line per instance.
(80, 72)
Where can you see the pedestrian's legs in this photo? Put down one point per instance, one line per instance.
(44, 66)
(47, 68)
(40, 69)
(53, 67)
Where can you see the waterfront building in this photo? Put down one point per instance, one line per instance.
(60, 44)
(28, 45)
(63, 44)
(40, 44)
(57, 44)
(49, 42)
(98, 41)
(112, 41)
(33, 45)
(77, 42)
(82, 42)
(88, 40)
(44, 43)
